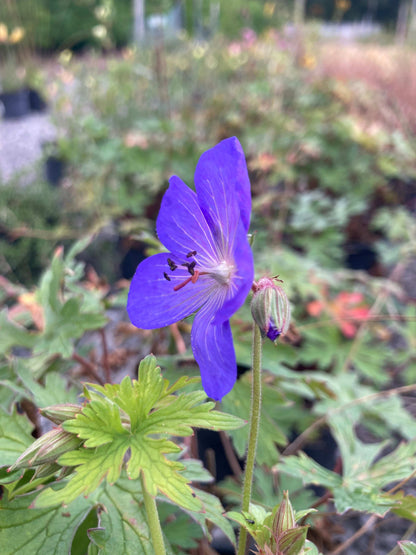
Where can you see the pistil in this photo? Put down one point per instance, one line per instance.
(194, 278)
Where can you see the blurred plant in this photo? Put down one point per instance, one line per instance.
(30, 219)
(48, 321)
(13, 54)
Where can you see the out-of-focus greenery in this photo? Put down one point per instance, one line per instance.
(52, 25)
(315, 164)
(331, 171)
(28, 217)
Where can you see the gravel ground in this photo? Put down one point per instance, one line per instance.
(21, 143)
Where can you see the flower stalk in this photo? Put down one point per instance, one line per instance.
(153, 521)
(253, 433)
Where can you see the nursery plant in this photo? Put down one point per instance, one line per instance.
(114, 470)
(246, 323)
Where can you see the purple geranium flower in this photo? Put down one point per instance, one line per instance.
(209, 265)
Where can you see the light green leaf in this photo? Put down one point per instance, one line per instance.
(122, 520)
(214, 512)
(182, 533)
(12, 335)
(195, 471)
(93, 465)
(310, 471)
(77, 248)
(356, 455)
(24, 530)
(360, 486)
(408, 548)
(406, 507)
(67, 312)
(15, 436)
(361, 498)
(98, 423)
(53, 392)
(136, 417)
(310, 548)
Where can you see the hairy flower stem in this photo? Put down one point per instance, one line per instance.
(153, 521)
(254, 432)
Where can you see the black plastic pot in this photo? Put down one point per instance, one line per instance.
(54, 170)
(36, 102)
(360, 256)
(16, 104)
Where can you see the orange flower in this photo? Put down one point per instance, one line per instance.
(264, 162)
(347, 310)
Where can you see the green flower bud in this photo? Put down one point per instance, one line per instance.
(284, 518)
(47, 449)
(46, 470)
(60, 413)
(292, 541)
(270, 308)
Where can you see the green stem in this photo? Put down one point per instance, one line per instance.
(153, 521)
(253, 434)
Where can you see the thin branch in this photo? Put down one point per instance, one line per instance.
(88, 367)
(402, 483)
(104, 359)
(369, 318)
(230, 454)
(370, 522)
(177, 337)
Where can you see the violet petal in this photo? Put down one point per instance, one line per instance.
(212, 345)
(223, 188)
(241, 281)
(180, 225)
(152, 301)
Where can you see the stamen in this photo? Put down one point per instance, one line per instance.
(172, 265)
(191, 253)
(190, 266)
(165, 275)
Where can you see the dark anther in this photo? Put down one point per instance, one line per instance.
(172, 265)
(191, 253)
(165, 275)
(190, 266)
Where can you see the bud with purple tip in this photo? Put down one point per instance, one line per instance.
(270, 308)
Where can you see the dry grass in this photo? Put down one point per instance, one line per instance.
(389, 73)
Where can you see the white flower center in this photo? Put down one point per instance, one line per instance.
(222, 273)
